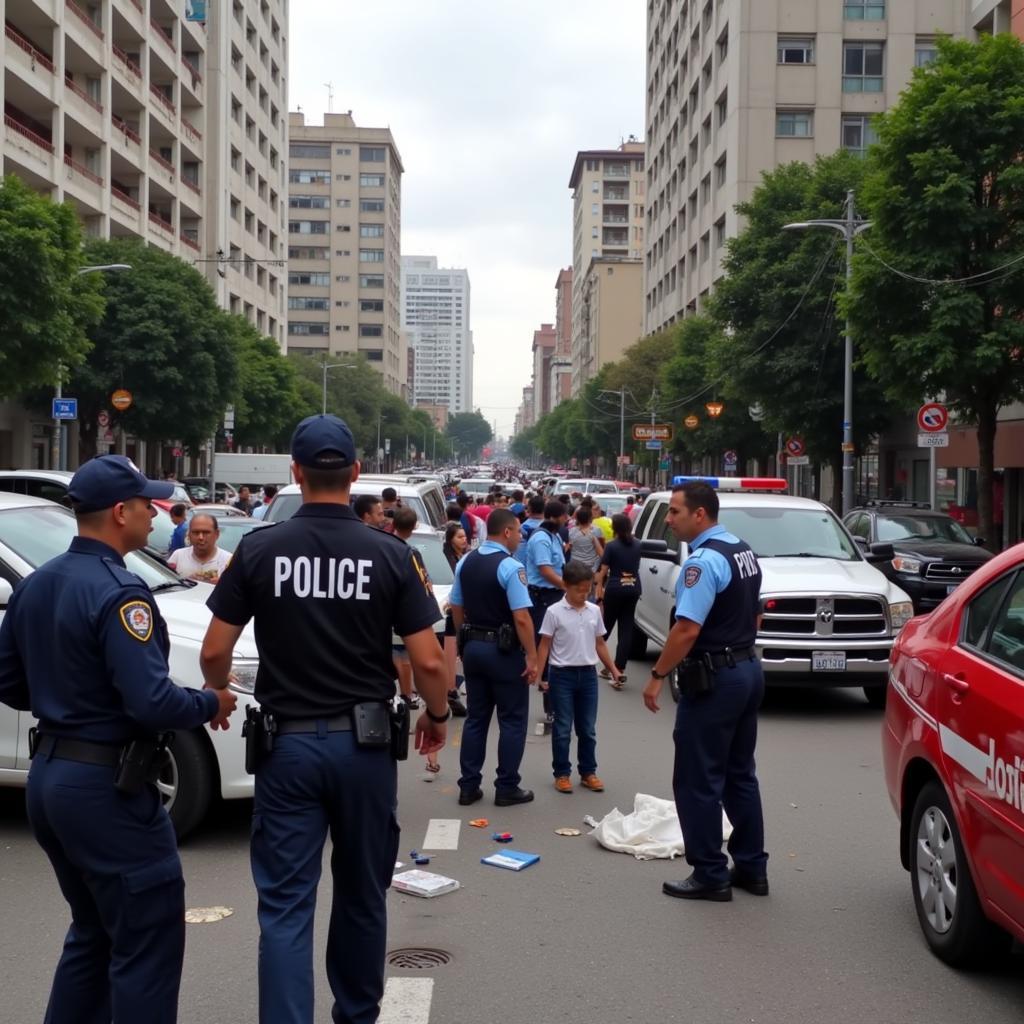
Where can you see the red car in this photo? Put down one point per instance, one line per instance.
(953, 746)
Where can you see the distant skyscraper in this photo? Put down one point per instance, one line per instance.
(435, 312)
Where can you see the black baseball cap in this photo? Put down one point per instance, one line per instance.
(107, 480)
(323, 442)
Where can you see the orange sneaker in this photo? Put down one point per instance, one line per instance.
(592, 782)
(563, 784)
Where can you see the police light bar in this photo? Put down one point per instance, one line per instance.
(736, 483)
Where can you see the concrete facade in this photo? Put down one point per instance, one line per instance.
(436, 315)
(544, 345)
(344, 243)
(608, 188)
(612, 311)
(561, 362)
(735, 88)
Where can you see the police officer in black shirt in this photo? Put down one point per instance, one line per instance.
(84, 648)
(717, 612)
(325, 594)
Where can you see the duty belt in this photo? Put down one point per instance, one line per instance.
(488, 636)
(102, 754)
(341, 723)
(719, 659)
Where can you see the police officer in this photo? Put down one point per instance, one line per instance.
(325, 594)
(490, 607)
(717, 610)
(84, 648)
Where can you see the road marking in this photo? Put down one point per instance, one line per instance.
(406, 1001)
(442, 834)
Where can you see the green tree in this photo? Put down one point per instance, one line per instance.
(781, 343)
(470, 431)
(164, 339)
(946, 194)
(46, 308)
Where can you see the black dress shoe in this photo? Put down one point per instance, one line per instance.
(455, 703)
(752, 883)
(691, 889)
(508, 797)
(470, 796)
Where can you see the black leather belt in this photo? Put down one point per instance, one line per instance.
(82, 751)
(488, 636)
(719, 659)
(341, 723)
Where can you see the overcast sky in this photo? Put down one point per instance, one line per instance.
(488, 104)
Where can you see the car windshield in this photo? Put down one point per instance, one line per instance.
(894, 528)
(612, 504)
(233, 529)
(430, 547)
(41, 532)
(568, 486)
(790, 532)
(284, 506)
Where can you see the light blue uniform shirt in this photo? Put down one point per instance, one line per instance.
(510, 576)
(543, 548)
(526, 531)
(705, 574)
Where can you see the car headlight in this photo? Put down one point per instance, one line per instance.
(244, 670)
(900, 614)
(907, 565)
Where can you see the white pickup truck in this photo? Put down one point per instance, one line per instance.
(203, 763)
(830, 617)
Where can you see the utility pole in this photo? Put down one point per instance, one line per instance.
(378, 441)
(622, 421)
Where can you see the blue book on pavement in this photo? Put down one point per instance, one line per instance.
(513, 860)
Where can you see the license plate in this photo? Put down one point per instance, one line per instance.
(828, 661)
(951, 587)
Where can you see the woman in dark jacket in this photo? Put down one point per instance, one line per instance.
(618, 589)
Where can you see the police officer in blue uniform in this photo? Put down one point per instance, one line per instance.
(325, 593)
(491, 610)
(712, 640)
(84, 648)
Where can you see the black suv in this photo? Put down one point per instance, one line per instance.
(933, 553)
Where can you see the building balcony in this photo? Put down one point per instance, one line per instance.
(191, 133)
(75, 169)
(163, 36)
(165, 170)
(20, 139)
(165, 107)
(161, 227)
(125, 135)
(128, 69)
(91, 40)
(80, 103)
(123, 203)
(614, 195)
(615, 171)
(29, 62)
(190, 239)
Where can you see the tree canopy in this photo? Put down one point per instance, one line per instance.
(470, 431)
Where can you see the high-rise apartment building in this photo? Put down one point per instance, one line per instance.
(435, 312)
(608, 188)
(544, 342)
(344, 243)
(156, 128)
(611, 312)
(736, 88)
(561, 362)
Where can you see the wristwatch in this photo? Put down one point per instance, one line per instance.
(660, 675)
(439, 719)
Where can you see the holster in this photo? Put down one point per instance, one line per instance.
(399, 714)
(371, 724)
(508, 639)
(696, 676)
(141, 763)
(258, 731)
(461, 639)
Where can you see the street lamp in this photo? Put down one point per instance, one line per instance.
(325, 366)
(849, 227)
(58, 457)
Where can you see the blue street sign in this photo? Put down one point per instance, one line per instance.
(64, 408)
(654, 446)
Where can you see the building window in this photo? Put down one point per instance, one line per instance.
(302, 177)
(309, 202)
(858, 134)
(305, 151)
(343, 204)
(723, 45)
(371, 305)
(314, 280)
(722, 106)
(925, 51)
(371, 205)
(371, 330)
(307, 302)
(795, 50)
(862, 67)
(371, 180)
(370, 281)
(864, 10)
(794, 124)
(371, 230)
(374, 355)
(371, 255)
(301, 327)
(720, 233)
(307, 227)
(371, 154)
(307, 252)
(343, 151)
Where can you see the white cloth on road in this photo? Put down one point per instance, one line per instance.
(651, 832)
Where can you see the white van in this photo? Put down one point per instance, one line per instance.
(571, 485)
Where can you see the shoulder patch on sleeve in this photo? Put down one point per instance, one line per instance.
(691, 575)
(522, 576)
(137, 619)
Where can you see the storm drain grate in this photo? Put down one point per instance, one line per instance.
(418, 959)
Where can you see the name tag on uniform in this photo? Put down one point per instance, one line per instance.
(328, 578)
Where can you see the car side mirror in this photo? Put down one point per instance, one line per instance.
(658, 550)
(6, 591)
(979, 541)
(861, 542)
(880, 553)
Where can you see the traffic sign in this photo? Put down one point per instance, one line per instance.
(715, 409)
(121, 399)
(798, 460)
(730, 459)
(795, 446)
(652, 432)
(665, 464)
(654, 446)
(933, 440)
(932, 418)
(64, 409)
(691, 422)
(177, 452)
(624, 460)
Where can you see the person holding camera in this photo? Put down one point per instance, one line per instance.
(718, 606)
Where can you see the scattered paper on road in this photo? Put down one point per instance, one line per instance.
(207, 915)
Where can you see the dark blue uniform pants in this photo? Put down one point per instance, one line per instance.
(493, 681)
(116, 859)
(309, 785)
(715, 736)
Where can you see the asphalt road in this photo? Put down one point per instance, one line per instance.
(585, 935)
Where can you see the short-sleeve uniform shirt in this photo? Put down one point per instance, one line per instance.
(543, 548)
(705, 574)
(511, 577)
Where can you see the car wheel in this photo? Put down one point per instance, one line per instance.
(186, 782)
(673, 684)
(638, 644)
(945, 899)
(876, 696)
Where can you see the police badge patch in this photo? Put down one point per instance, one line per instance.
(137, 619)
(522, 577)
(691, 575)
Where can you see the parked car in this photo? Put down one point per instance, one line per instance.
(934, 554)
(51, 484)
(576, 485)
(830, 617)
(199, 489)
(953, 749)
(203, 763)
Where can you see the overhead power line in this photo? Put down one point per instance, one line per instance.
(985, 277)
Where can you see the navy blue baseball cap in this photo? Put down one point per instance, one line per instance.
(107, 480)
(323, 442)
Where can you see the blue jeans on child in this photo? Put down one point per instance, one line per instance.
(574, 702)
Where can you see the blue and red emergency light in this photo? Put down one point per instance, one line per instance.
(736, 483)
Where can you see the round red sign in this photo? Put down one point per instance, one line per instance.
(795, 446)
(932, 418)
